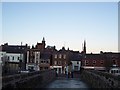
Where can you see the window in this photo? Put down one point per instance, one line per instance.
(65, 62)
(1, 58)
(114, 62)
(41, 68)
(111, 71)
(94, 62)
(86, 62)
(55, 55)
(46, 61)
(55, 62)
(36, 54)
(77, 62)
(36, 62)
(41, 61)
(75, 68)
(13, 58)
(60, 56)
(59, 63)
(101, 61)
(46, 68)
(117, 71)
(64, 56)
(8, 58)
(18, 58)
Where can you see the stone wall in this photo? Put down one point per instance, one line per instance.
(28, 80)
(97, 79)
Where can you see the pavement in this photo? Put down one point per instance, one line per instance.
(62, 82)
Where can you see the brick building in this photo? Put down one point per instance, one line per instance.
(40, 57)
(102, 61)
(45, 61)
(93, 61)
(60, 60)
(34, 56)
(41, 46)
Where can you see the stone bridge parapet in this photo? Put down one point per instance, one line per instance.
(98, 79)
(28, 80)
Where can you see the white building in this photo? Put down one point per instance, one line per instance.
(3, 57)
(115, 70)
(33, 60)
(15, 57)
(76, 65)
(58, 69)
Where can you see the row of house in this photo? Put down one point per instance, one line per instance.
(40, 57)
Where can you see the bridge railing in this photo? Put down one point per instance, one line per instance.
(28, 80)
(98, 79)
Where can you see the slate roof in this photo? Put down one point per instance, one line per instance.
(14, 48)
(45, 56)
(75, 56)
(93, 56)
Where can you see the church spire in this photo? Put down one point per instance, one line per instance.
(84, 47)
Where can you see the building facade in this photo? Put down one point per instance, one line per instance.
(33, 59)
(60, 60)
(15, 59)
(38, 57)
(76, 58)
(45, 61)
(102, 61)
(93, 61)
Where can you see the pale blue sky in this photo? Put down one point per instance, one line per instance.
(62, 24)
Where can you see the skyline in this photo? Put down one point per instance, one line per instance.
(62, 24)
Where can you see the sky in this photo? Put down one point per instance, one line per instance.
(62, 24)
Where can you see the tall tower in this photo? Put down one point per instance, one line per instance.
(84, 47)
(43, 42)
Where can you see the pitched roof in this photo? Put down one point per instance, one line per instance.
(93, 56)
(14, 48)
(45, 56)
(75, 56)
